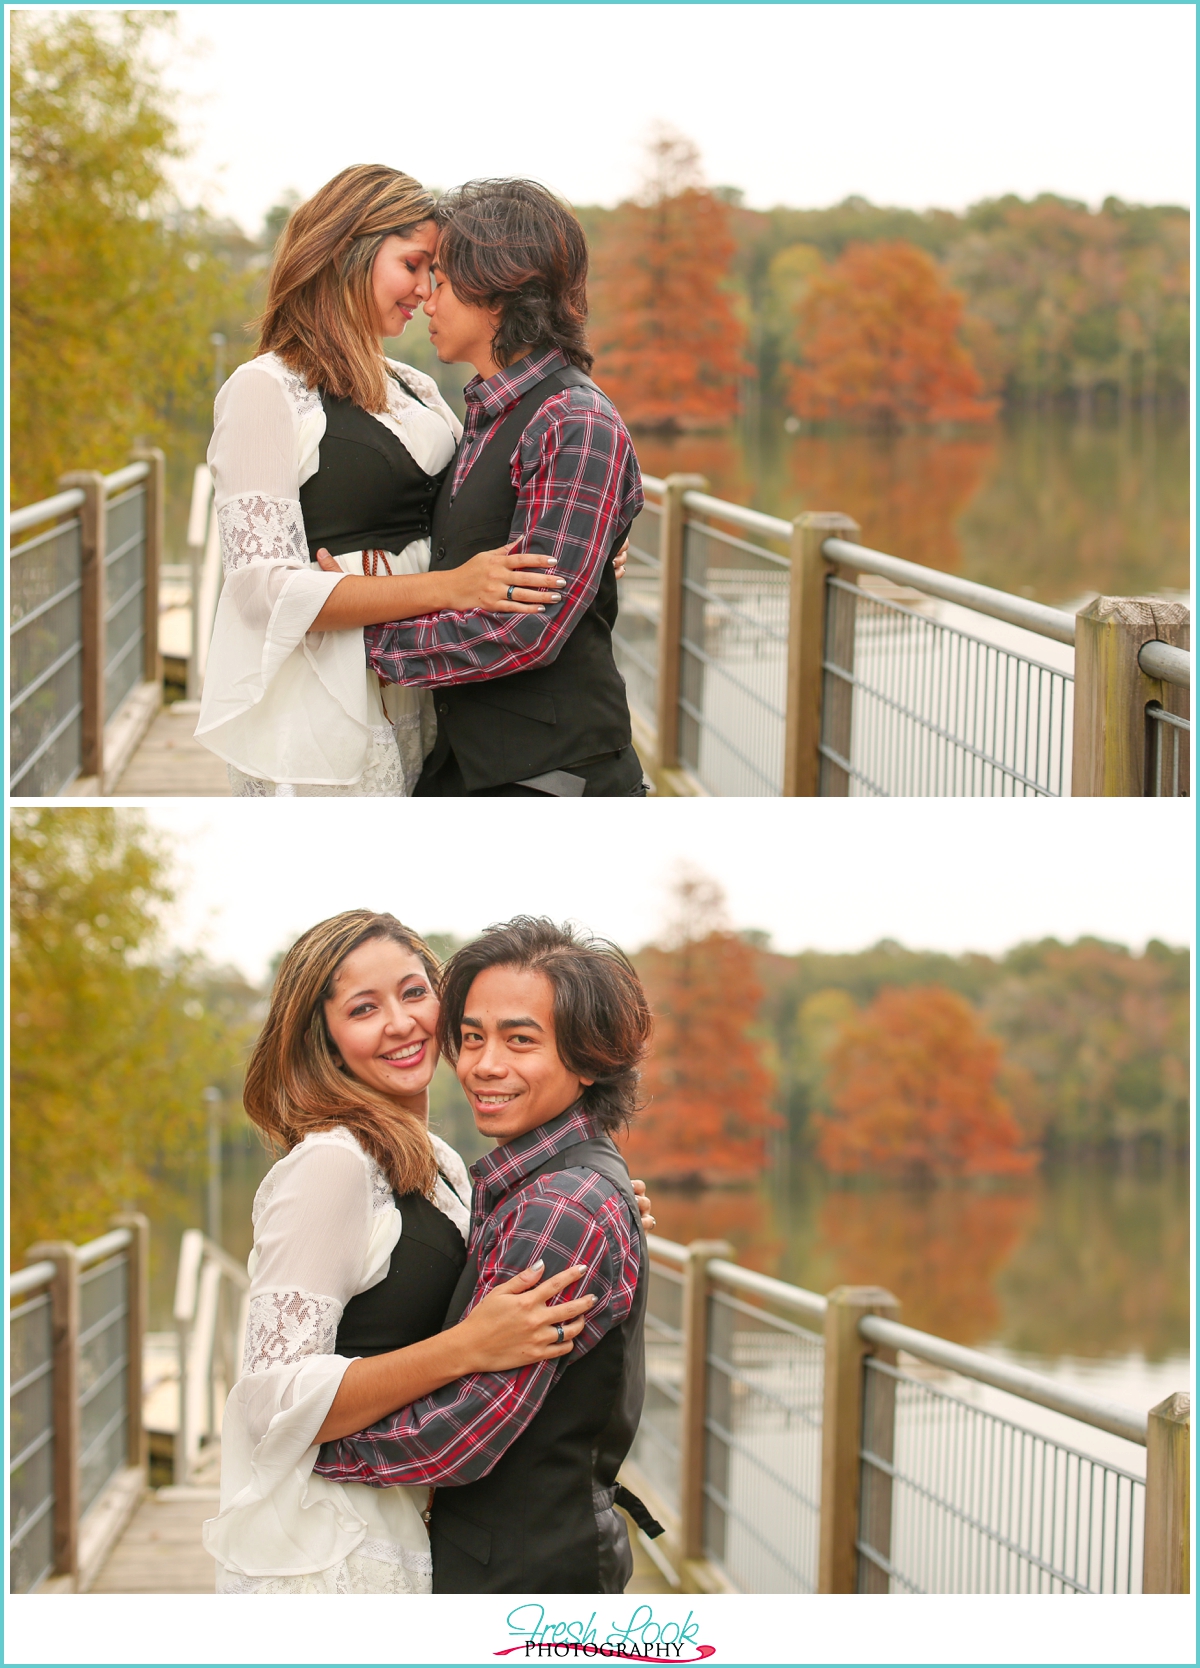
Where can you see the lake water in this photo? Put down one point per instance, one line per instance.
(1082, 1274)
(1042, 505)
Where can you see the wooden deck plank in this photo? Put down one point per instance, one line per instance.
(171, 763)
(160, 1552)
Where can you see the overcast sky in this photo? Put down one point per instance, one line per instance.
(952, 875)
(915, 105)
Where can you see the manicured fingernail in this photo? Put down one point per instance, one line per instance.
(541, 1263)
(560, 583)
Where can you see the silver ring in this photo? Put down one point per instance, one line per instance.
(511, 589)
(558, 1327)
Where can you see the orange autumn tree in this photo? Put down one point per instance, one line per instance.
(881, 344)
(669, 345)
(707, 1090)
(912, 1082)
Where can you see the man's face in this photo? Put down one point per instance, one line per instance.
(508, 1063)
(461, 333)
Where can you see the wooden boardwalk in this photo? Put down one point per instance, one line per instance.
(171, 763)
(160, 1551)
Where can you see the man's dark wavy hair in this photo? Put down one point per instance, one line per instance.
(602, 1019)
(512, 244)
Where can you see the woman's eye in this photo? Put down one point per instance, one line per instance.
(362, 1008)
(415, 993)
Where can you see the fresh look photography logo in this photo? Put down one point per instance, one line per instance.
(645, 1637)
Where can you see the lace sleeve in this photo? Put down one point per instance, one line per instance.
(313, 1234)
(255, 463)
(284, 1327)
(255, 528)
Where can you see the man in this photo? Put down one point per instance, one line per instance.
(527, 704)
(546, 1030)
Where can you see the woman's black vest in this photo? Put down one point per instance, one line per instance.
(542, 1520)
(569, 712)
(369, 492)
(410, 1302)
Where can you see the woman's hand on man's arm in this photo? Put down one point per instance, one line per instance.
(515, 1325)
(484, 583)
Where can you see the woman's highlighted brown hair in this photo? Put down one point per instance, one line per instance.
(294, 1084)
(320, 316)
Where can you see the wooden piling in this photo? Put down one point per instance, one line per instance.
(1166, 1559)
(806, 648)
(64, 1324)
(92, 548)
(1112, 692)
(842, 1432)
(670, 620)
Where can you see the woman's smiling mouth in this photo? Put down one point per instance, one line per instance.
(410, 1055)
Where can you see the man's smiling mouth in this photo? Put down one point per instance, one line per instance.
(493, 1100)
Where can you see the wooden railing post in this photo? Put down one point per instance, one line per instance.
(92, 547)
(841, 1434)
(1167, 1546)
(670, 619)
(1112, 691)
(156, 496)
(692, 1442)
(138, 1286)
(806, 646)
(64, 1322)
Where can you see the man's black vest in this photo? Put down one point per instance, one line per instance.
(567, 712)
(542, 1520)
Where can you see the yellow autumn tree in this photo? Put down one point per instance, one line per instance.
(116, 288)
(113, 1039)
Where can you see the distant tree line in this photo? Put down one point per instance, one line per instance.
(889, 317)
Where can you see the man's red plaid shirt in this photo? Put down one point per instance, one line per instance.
(578, 489)
(573, 1216)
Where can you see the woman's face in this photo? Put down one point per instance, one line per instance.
(382, 1018)
(400, 277)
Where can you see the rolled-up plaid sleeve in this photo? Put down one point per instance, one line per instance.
(460, 1432)
(578, 490)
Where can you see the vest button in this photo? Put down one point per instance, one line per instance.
(443, 706)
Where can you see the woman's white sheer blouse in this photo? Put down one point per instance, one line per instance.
(282, 703)
(325, 1226)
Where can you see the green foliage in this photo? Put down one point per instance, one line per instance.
(1063, 302)
(113, 1041)
(115, 287)
(1095, 1038)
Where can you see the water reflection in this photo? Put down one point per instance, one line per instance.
(1043, 505)
(1087, 1263)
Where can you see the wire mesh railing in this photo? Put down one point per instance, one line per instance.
(1168, 753)
(956, 1498)
(657, 1445)
(45, 652)
(103, 1369)
(125, 595)
(83, 609)
(913, 706)
(733, 661)
(635, 636)
(762, 1482)
(31, 1428)
(767, 657)
(796, 1443)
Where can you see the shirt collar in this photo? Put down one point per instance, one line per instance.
(499, 1172)
(499, 393)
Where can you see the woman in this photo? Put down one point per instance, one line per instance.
(359, 1240)
(322, 441)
